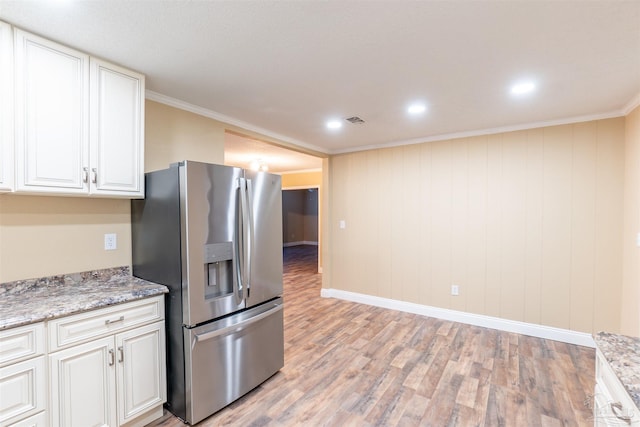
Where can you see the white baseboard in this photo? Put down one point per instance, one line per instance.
(303, 242)
(531, 329)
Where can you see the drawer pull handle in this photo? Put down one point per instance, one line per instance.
(112, 357)
(121, 351)
(109, 321)
(616, 408)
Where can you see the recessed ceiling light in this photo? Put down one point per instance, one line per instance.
(334, 124)
(416, 108)
(522, 88)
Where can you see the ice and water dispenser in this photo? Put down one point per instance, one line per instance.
(218, 265)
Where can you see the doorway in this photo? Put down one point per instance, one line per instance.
(300, 224)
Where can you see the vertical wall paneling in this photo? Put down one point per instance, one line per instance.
(382, 178)
(410, 219)
(583, 205)
(533, 225)
(398, 201)
(363, 218)
(426, 215)
(630, 313)
(494, 225)
(512, 289)
(441, 223)
(556, 226)
(477, 244)
(339, 197)
(609, 191)
(528, 224)
(459, 217)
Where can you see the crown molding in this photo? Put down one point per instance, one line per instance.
(631, 105)
(173, 102)
(176, 103)
(480, 132)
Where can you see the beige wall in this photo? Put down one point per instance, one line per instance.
(302, 179)
(42, 236)
(172, 135)
(630, 313)
(528, 224)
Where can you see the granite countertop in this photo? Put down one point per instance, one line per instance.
(34, 300)
(623, 354)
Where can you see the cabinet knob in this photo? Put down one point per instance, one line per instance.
(112, 357)
(94, 175)
(85, 174)
(121, 352)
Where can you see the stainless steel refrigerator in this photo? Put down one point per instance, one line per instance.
(213, 235)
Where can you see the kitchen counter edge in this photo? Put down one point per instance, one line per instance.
(30, 301)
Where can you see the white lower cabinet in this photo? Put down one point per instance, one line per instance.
(22, 390)
(83, 389)
(110, 381)
(103, 367)
(141, 382)
(115, 379)
(612, 404)
(23, 376)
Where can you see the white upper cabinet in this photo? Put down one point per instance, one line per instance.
(52, 124)
(117, 139)
(79, 122)
(6, 108)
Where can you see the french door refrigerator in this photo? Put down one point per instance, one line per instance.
(213, 235)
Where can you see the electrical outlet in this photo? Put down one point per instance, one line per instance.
(342, 224)
(455, 290)
(110, 242)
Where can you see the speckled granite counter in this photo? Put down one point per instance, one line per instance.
(623, 355)
(34, 300)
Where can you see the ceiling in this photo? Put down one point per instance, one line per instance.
(283, 68)
(242, 151)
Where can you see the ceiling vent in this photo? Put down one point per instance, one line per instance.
(355, 120)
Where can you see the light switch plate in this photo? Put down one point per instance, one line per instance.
(110, 242)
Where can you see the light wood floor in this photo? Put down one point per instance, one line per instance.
(348, 364)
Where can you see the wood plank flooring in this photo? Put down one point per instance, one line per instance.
(348, 364)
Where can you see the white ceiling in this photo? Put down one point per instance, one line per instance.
(284, 67)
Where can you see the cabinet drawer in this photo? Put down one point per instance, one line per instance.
(21, 343)
(38, 420)
(80, 328)
(22, 390)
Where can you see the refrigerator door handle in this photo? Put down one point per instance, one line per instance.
(238, 246)
(249, 228)
(237, 326)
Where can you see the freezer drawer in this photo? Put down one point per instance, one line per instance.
(231, 356)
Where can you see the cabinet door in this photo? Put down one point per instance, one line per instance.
(117, 123)
(83, 391)
(22, 390)
(6, 108)
(141, 370)
(52, 101)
